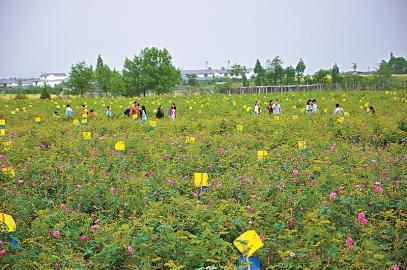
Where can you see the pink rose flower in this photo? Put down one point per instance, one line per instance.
(349, 241)
(296, 180)
(379, 189)
(56, 234)
(395, 267)
(57, 265)
(165, 157)
(94, 228)
(218, 186)
(332, 196)
(129, 250)
(296, 172)
(361, 216)
(325, 203)
(2, 252)
(249, 208)
(83, 237)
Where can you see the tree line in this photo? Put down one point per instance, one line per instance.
(150, 70)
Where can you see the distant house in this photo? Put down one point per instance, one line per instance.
(14, 82)
(207, 74)
(52, 79)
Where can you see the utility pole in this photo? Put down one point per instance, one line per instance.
(206, 64)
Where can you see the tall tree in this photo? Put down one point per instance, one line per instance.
(335, 76)
(321, 76)
(289, 75)
(80, 78)
(260, 72)
(354, 66)
(275, 70)
(103, 75)
(299, 70)
(151, 70)
(116, 83)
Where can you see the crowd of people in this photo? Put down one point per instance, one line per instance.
(135, 111)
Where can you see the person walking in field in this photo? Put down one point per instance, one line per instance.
(84, 109)
(92, 114)
(270, 107)
(143, 114)
(135, 111)
(277, 107)
(257, 110)
(172, 112)
(160, 112)
(314, 106)
(127, 112)
(108, 112)
(69, 111)
(338, 109)
(308, 107)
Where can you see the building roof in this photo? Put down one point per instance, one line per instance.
(55, 74)
(209, 71)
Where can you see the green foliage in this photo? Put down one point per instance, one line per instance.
(103, 76)
(144, 197)
(81, 78)
(45, 93)
(151, 70)
(275, 71)
(335, 75)
(299, 70)
(260, 73)
(192, 79)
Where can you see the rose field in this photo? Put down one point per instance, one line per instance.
(321, 191)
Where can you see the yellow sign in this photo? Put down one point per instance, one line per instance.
(302, 145)
(2, 132)
(87, 135)
(325, 110)
(134, 116)
(248, 242)
(120, 146)
(13, 112)
(84, 121)
(8, 171)
(7, 223)
(2, 122)
(153, 123)
(201, 179)
(7, 145)
(37, 119)
(190, 139)
(84, 115)
(75, 122)
(261, 154)
(239, 127)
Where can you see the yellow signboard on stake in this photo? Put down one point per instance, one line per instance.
(302, 145)
(248, 242)
(201, 179)
(120, 146)
(261, 154)
(7, 223)
(190, 139)
(87, 135)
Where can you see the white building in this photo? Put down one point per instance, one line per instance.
(207, 74)
(52, 79)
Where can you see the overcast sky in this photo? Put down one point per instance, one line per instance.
(50, 35)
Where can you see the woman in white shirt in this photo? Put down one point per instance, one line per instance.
(314, 106)
(338, 110)
(256, 110)
(277, 107)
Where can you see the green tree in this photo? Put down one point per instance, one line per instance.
(151, 70)
(80, 78)
(299, 70)
(103, 75)
(354, 66)
(260, 72)
(116, 83)
(289, 75)
(239, 71)
(335, 75)
(45, 93)
(275, 70)
(321, 76)
(397, 65)
(192, 79)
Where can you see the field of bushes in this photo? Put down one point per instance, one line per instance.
(339, 202)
